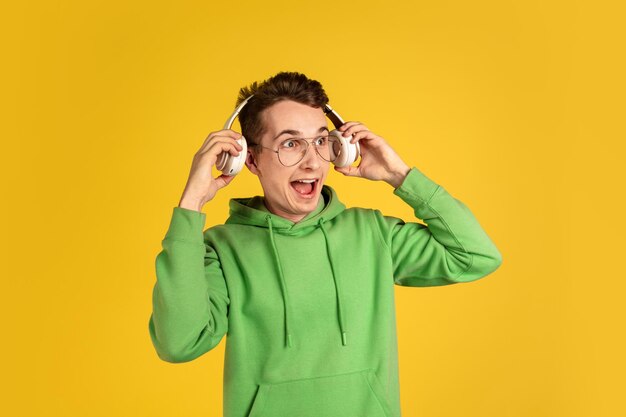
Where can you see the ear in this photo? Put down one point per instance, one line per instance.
(251, 163)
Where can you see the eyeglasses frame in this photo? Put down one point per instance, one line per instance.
(308, 145)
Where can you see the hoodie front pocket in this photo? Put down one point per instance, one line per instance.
(354, 394)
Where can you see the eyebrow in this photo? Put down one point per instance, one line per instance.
(297, 132)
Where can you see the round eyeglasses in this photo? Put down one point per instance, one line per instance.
(292, 150)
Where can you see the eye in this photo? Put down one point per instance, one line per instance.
(321, 141)
(289, 144)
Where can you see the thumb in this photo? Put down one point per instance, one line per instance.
(223, 180)
(349, 170)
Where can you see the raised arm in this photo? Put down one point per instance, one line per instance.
(451, 248)
(190, 298)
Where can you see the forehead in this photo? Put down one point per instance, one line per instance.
(293, 116)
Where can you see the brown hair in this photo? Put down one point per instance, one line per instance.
(282, 86)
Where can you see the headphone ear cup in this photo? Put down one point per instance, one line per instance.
(344, 152)
(231, 165)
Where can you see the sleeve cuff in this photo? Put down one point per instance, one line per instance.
(416, 188)
(187, 225)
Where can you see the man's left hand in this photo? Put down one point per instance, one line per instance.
(379, 162)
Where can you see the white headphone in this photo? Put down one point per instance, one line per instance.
(345, 154)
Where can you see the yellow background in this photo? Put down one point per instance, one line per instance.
(515, 107)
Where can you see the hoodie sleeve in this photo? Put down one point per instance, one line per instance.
(190, 298)
(451, 248)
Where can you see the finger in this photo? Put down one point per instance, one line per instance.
(232, 136)
(349, 171)
(223, 180)
(225, 147)
(347, 125)
(224, 133)
(352, 129)
(362, 135)
(212, 154)
(220, 139)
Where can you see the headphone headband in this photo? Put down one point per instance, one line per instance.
(328, 111)
(333, 116)
(231, 119)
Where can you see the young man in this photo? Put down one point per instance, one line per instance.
(304, 286)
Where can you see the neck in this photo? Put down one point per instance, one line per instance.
(293, 217)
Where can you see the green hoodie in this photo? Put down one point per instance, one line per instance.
(308, 307)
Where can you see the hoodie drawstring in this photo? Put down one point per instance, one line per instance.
(342, 323)
(340, 312)
(282, 280)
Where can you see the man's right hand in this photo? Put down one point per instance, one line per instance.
(201, 186)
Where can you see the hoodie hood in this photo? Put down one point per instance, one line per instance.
(244, 212)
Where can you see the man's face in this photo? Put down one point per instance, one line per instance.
(287, 190)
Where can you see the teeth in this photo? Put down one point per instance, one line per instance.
(306, 181)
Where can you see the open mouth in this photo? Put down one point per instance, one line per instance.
(305, 187)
